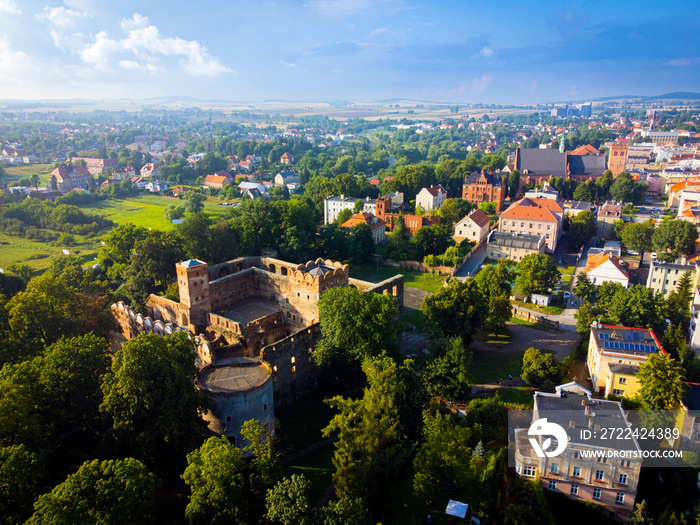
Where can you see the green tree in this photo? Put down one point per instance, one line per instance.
(113, 491)
(343, 216)
(674, 238)
(513, 184)
(583, 192)
(638, 306)
(661, 383)
(622, 189)
(536, 273)
(457, 309)
(584, 287)
(368, 449)
(453, 210)
(288, 501)
(117, 247)
(35, 181)
(637, 236)
(431, 240)
(444, 456)
(446, 373)
(679, 299)
(585, 316)
(361, 242)
(21, 471)
(217, 476)
(23, 271)
(674, 342)
(209, 164)
(194, 201)
(195, 235)
(581, 228)
(606, 293)
(159, 425)
(358, 207)
(355, 325)
(344, 511)
(539, 367)
(603, 184)
(495, 284)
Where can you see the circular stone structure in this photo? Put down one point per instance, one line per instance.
(241, 389)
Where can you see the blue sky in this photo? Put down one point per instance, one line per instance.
(324, 50)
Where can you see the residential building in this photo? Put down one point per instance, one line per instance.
(573, 208)
(431, 198)
(127, 172)
(534, 217)
(539, 165)
(156, 186)
(604, 267)
(244, 186)
(485, 187)
(690, 429)
(474, 227)
(610, 346)
(411, 223)
(607, 481)
(284, 178)
(663, 277)
(515, 246)
(332, 206)
(375, 224)
(69, 177)
(138, 182)
(661, 137)
(216, 181)
(608, 213)
(149, 170)
(96, 166)
(585, 150)
(676, 190)
(287, 158)
(693, 332)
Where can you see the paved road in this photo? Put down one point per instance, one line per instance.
(470, 267)
(413, 297)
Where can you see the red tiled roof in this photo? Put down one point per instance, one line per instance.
(364, 218)
(436, 190)
(479, 217)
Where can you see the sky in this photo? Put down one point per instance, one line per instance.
(461, 51)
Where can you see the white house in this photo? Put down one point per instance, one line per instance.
(473, 227)
(431, 198)
(156, 186)
(602, 267)
(243, 186)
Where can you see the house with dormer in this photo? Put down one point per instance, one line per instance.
(431, 198)
(538, 216)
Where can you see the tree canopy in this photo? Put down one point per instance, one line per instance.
(536, 273)
(661, 383)
(457, 309)
(674, 238)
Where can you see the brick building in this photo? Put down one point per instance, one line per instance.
(483, 187)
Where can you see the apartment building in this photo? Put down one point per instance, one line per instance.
(663, 277)
(534, 217)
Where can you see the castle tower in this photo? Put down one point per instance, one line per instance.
(380, 209)
(193, 285)
(617, 158)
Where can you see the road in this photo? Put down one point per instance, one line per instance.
(472, 265)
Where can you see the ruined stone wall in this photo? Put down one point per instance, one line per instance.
(166, 310)
(294, 372)
(392, 286)
(231, 289)
(233, 266)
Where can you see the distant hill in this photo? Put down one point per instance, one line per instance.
(682, 95)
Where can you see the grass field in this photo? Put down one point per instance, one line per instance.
(18, 250)
(429, 282)
(147, 211)
(487, 366)
(20, 172)
(536, 326)
(521, 395)
(547, 310)
(416, 318)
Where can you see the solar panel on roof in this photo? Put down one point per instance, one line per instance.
(604, 337)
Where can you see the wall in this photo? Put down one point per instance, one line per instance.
(294, 373)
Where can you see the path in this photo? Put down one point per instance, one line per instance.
(474, 262)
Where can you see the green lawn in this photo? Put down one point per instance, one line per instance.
(536, 326)
(501, 337)
(429, 282)
(546, 310)
(18, 250)
(521, 395)
(147, 211)
(489, 365)
(15, 173)
(317, 467)
(416, 318)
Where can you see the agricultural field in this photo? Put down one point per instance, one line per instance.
(16, 173)
(147, 211)
(38, 255)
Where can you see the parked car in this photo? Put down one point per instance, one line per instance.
(567, 295)
(653, 256)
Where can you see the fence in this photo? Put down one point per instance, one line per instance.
(531, 317)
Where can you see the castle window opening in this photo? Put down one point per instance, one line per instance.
(294, 369)
(274, 369)
(293, 359)
(265, 406)
(228, 419)
(289, 315)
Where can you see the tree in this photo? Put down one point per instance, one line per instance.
(113, 491)
(513, 184)
(444, 455)
(603, 184)
(35, 181)
(194, 201)
(446, 373)
(585, 316)
(584, 287)
(21, 472)
(288, 501)
(209, 164)
(343, 216)
(453, 210)
(637, 236)
(159, 425)
(117, 247)
(539, 367)
(661, 383)
(361, 242)
(358, 207)
(457, 309)
(581, 229)
(355, 325)
(623, 187)
(431, 240)
(217, 476)
(536, 273)
(195, 234)
(674, 238)
(344, 511)
(583, 192)
(607, 292)
(368, 448)
(638, 306)
(679, 300)
(674, 342)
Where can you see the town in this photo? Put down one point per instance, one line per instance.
(234, 315)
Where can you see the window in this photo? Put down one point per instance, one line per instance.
(513, 223)
(602, 460)
(627, 463)
(575, 455)
(528, 471)
(599, 475)
(618, 392)
(697, 434)
(522, 224)
(623, 380)
(554, 468)
(228, 419)
(574, 489)
(577, 472)
(620, 497)
(549, 226)
(653, 280)
(552, 485)
(596, 493)
(623, 479)
(539, 226)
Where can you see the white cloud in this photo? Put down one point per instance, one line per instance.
(482, 83)
(684, 62)
(9, 7)
(485, 52)
(574, 92)
(343, 8)
(288, 64)
(143, 46)
(62, 18)
(533, 86)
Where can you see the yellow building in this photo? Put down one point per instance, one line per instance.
(614, 356)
